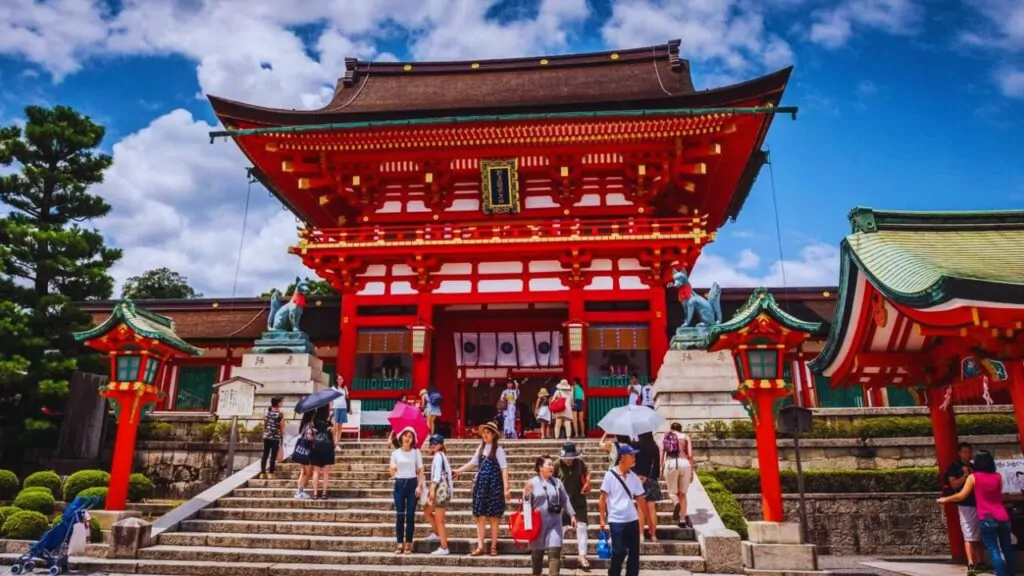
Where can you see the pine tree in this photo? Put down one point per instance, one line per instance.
(52, 260)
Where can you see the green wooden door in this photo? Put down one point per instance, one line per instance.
(195, 388)
(842, 397)
(899, 397)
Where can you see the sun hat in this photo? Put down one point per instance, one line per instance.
(543, 393)
(411, 430)
(569, 451)
(564, 385)
(490, 426)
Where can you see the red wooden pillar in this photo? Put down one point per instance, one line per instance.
(576, 362)
(1016, 376)
(768, 456)
(348, 342)
(658, 330)
(944, 429)
(421, 362)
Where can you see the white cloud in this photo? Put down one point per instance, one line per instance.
(1011, 81)
(833, 27)
(748, 259)
(56, 35)
(818, 265)
(999, 33)
(727, 35)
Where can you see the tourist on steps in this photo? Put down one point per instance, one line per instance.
(407, 470)
(648, 468)
(491, 489)
(562, 398)
(321, 457)
(273, 433)
(339, 408)
(441, 490)
(575, 476)
(986, 486)
(547, 495)
(543, 412)
(509, 397)
(302, 454)
(677, 467)
(634, 390)
(430, 403)
(578, 400)
(622, 494)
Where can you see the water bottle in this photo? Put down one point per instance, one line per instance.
(604, 550)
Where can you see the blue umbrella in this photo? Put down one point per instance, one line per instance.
(317, 400)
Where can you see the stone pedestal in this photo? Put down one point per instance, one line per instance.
(778, 548)
(695, 386)
(290, 376)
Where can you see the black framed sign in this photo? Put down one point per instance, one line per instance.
(500, 186)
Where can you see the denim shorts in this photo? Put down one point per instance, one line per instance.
(577, 405)
(341, 416)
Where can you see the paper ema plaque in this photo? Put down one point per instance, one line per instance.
(236, 397)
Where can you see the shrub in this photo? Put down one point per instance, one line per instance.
(156, 431)
(46, 479)
(97, 491)
(84, 479)
(25, 525)
(35, 499)
(205, 432)
(8, 484)
(139, 488)
(725, 504)
(255, 434)
(745, 481)
(868, 428)
(6, 511)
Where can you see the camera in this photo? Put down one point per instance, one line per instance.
(555, 507)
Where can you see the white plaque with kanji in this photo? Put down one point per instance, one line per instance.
(236, 397)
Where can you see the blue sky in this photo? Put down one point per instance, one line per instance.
(905, 104)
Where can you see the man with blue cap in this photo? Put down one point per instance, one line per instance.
(622, 493)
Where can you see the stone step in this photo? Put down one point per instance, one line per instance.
(383, 475)
(384, 544)
(313, 513)
(380, 503)
(201, 568)
(382, 529)
(342, 482)
(462, 491)
(243, 556)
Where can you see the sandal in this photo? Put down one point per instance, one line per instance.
(408, 549)
(584, 563)
(494, 550)
(398, 550)
(478, 551)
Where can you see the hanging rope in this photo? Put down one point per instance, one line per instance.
(778, 228)
(238, 259)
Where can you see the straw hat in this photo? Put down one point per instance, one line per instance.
(564, 385)
(489, 426)
(543, 393)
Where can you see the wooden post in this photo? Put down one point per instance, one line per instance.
(768, 457)
(124, 450)
(944, 430)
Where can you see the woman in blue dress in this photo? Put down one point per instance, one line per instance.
(510, 396)
(491, 489)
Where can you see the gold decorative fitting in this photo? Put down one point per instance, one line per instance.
(341, 220)
(566, 211)
(428, 177)
(407, 67)
(355, 180)
(826, 293)
(640, 210)
(287, 166)
(366, 218)
(474, 65)
(215, 305)
(270, 147)
(435, 216)
(324, 200)
(615, 56)
(641, 169)
(543, 61)
(303, 183)
(564, 171)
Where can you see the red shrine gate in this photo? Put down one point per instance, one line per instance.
(523, 196)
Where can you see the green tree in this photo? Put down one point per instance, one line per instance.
(52, 260)
(316, 288)
(159, 283)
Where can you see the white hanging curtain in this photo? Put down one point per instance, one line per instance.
(544, 347)
(468, 351)
(488, 349)
(507, 355)
(527, 349)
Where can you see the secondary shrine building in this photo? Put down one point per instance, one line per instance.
(488, 220)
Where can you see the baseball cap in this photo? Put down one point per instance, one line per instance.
(436, 439)
(626, 450)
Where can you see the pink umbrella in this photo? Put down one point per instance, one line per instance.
(406, 416)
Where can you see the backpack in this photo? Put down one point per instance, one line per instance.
(323, 440)
(435, 399)
(670, 444)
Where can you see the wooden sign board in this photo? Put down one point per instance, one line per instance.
(236, 397)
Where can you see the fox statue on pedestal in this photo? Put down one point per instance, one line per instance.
(287, 317)
(708, 310)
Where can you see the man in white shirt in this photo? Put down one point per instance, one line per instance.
(621, 494)
(647, 395)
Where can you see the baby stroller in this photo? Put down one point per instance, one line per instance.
(52, 548)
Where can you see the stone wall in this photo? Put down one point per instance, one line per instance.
(180, 470)
(909, 524)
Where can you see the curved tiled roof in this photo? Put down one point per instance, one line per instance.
(143, 322)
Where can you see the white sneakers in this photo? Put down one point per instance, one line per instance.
(440, 552)
(433, 538)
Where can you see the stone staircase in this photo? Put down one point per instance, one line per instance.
(260, 529)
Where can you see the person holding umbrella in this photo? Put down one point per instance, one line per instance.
(491, 490)
(315, 447)
(407, 471)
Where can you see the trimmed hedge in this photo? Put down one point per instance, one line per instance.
(8, 484)
(25, 525)
(46, 479)
(884, 427)
(6, 511)
(36, 499)
(139, 488)
(84, 479)
(98, 491)
(156, 431)
(725, 504)
(746, 481)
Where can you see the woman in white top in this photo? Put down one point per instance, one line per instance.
(563, 417)
(340, 408)
(407, 470)
(440, 495)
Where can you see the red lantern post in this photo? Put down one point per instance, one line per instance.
(139, 343)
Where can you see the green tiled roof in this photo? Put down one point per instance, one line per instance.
(922, 259)
(761, 300)
(144, 322)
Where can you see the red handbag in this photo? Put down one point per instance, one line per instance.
(517, 527)
(558, 404)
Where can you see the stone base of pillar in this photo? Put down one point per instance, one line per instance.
(778, 548)
(695, 386)
(290, 376)
(107, 518)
